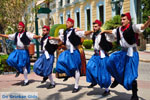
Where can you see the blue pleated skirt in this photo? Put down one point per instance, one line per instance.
(96, 71)
(43, 67)
(124, 68)
(19, 59)
(68, 62)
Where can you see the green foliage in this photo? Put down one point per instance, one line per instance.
(53, 28)
(145, 12)
(112, 23)
(3, 64)
(87, 44)
(61, 26)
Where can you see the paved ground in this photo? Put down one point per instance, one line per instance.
(63, 90)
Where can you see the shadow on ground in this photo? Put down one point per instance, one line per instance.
(21, 82)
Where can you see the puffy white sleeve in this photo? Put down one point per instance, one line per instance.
(137, 28)
(61, 35)
(53, 41)
(89, 37)
(114, 31)
(11, 36)
(110, 37)
(30, 35)
(80, 33)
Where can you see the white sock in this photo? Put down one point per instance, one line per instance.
(77, 77)
(25, 72)
(51, 79)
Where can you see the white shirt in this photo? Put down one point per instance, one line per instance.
(51, 41)
(68, 43)
(123, 43)
(97, 41)
(19, 43)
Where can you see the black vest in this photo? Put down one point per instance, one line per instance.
(128, 34)
(24, 39)
(42, 40)
(104, 44)
(73, 38)
(51, 47)
(94, 36)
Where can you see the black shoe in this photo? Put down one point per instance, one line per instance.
(92, 85)
(25, 83)
(75, 90)
(17, 74)
(44, 79)
(114, 84)
(51, 86)
(106, 93)
(135, 98)
(65, 79)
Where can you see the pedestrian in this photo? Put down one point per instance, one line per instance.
(20, 58)
(96, 71)
(44, 65)
(69, 61)
(123, 64)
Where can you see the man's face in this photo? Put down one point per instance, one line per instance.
(20, 28)
(45, 31)
(96, 27)
(124, 21)
(69, 24)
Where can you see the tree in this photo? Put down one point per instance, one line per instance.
(12, 12)
(145, 13)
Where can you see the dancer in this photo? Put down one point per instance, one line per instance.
(44, 65)
(96, 72)
(69, 61)
(123, 65)
(20, 58)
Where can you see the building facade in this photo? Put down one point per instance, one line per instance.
(85, 12)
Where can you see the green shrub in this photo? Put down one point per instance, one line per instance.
(87, 44)
(112, 23)
(53, 28)
(4, 67)
(61, 26)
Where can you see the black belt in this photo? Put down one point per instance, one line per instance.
(126, 49)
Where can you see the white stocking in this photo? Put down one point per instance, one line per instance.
(77, 77)
(25, 72)
(51, 79)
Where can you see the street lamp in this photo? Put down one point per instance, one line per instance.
(117, 5)
(40, 11)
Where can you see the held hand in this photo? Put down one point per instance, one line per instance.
(78, 29)
(102, 32)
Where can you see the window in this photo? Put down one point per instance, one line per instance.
(61, 20)
(88, 19)
(61, 3)
(67, 1)
(78, 19)
(101, 13)
(68, 15)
